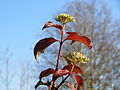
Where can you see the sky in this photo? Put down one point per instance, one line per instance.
(21, 22)
(114, 5)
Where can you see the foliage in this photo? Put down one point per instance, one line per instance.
(94, 19)
(73, 57)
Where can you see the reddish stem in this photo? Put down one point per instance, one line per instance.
(60, 48)
(66, 77)
(63, 81)
(59, 55)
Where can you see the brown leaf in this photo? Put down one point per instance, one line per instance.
(42, 45)
(46, 73)
(76, 69)
(75, 37)
(58, 26)
(79, 81)
(60, 73)
(50, 24)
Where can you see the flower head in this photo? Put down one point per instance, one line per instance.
(75, 58)
(64, 18)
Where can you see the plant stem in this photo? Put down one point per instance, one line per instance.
(66, 77)
(59, 54)
(63, 81)
(60, 48)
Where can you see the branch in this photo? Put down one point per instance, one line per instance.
(62, 81)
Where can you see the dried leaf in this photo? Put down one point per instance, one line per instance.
(46, 73)
(50, 24)
(79, 81)
(76, 69)
(42, 45)
(75, 37)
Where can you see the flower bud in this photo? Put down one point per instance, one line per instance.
(75, 58)
(64, 18)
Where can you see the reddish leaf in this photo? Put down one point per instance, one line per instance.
(79, 81)
(71, 32)
(46, 73)
(76, 69)
(72, 42)
(75, 37)
(71, 86)
(42, 83)
(60, 73)
(42, 45)
(50, 24)
(58, 26)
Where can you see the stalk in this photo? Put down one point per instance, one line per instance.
(60, 48)
(65, 78)
(59, 55)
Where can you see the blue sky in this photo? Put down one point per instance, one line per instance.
(114, 5)
(20, 24)
(22, 20)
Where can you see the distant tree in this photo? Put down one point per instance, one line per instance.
(6, 73)
(26, 76)
(94, 20)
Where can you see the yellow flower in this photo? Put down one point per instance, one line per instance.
(75, 58)
(64, 18)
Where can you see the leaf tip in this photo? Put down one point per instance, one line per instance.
(43, 27)
(35, 55)
(48, 24)
(38, 83)
(36, 58)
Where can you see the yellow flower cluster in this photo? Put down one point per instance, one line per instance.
(75, 58)
(64, 18)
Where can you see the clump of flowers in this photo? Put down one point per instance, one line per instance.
(64, 18)
(75, 58)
